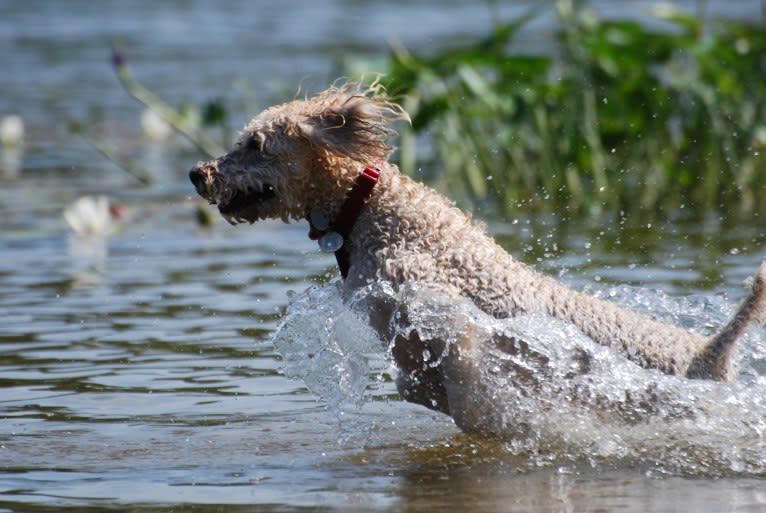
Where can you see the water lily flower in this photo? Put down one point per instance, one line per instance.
(154, 127)
(11, 130)
(93, 215)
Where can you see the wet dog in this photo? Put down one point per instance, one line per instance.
(325, 159)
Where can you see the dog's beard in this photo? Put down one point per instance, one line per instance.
(246, 206)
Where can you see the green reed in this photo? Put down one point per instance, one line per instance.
(619, 116)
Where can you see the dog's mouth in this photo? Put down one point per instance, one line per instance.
(246, 206)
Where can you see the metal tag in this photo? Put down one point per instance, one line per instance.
(331, 242)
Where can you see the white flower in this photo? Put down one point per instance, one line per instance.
(11, 130)
(664, 10)
(90, 215)
(154, 127)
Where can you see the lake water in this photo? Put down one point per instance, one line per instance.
(138, 370)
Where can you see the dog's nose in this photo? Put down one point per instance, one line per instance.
(196, 176)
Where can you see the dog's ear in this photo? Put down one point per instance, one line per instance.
(355, 125)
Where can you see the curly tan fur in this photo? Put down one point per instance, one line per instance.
(308, 154)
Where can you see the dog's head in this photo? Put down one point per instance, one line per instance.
(306, 153)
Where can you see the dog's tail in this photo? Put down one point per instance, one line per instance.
(713, 361)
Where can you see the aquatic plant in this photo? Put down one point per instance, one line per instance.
(188, 120)
(621, 116)
(158, 120)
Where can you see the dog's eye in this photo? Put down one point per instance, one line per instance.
(256, 150)
(249, 146)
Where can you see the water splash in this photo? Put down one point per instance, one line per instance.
(572, 400)
(328, 345)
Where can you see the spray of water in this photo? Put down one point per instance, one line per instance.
(565, 398)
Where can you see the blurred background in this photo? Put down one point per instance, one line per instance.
(516, 105)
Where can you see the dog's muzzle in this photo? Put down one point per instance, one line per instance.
(200, 178)
(235, 205)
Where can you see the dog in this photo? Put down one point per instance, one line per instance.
(325, 159)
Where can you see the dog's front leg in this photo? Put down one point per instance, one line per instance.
(450, 361)
(423, 343)
(420, 378)
(468, 377)
(442, 376)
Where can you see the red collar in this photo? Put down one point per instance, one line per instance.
(332, 236)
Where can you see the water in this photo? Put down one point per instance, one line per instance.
(138, 369)
(611, 412)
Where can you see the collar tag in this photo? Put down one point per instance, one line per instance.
(330, 242)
